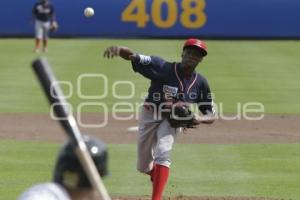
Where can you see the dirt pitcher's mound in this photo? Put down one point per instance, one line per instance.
(271, 129)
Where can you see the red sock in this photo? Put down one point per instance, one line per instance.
(160, 177)
(151, 173)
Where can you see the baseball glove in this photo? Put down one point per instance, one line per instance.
(182, 116)
(54, 26)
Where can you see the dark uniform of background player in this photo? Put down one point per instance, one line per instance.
(69, 179)
(43, 13)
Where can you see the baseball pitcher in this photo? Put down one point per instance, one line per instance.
(174, 86)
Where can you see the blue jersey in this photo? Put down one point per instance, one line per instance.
(43, 12)
(168, 82)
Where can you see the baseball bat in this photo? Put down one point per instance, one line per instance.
(56, 98)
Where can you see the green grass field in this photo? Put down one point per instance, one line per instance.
(198, 170)
(238, 72)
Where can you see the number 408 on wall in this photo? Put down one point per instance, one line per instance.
(190, 13)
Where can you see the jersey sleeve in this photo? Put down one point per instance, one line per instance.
(205, 100)
(151, 67)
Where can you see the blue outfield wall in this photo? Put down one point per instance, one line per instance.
(160, 18)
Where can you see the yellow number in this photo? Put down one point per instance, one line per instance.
(192, 16)
(197, 11)
(156, 13)
(136, 12)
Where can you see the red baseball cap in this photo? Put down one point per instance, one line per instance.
(196, 43)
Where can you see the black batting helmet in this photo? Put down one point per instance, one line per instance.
(68, 171)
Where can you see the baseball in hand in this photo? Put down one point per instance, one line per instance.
(89, 12)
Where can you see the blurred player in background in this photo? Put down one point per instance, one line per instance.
(69, 179)
(45, 20)
(171, 82)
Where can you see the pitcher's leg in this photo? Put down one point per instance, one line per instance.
(165, 140)
(166, 136)
(146, 141)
